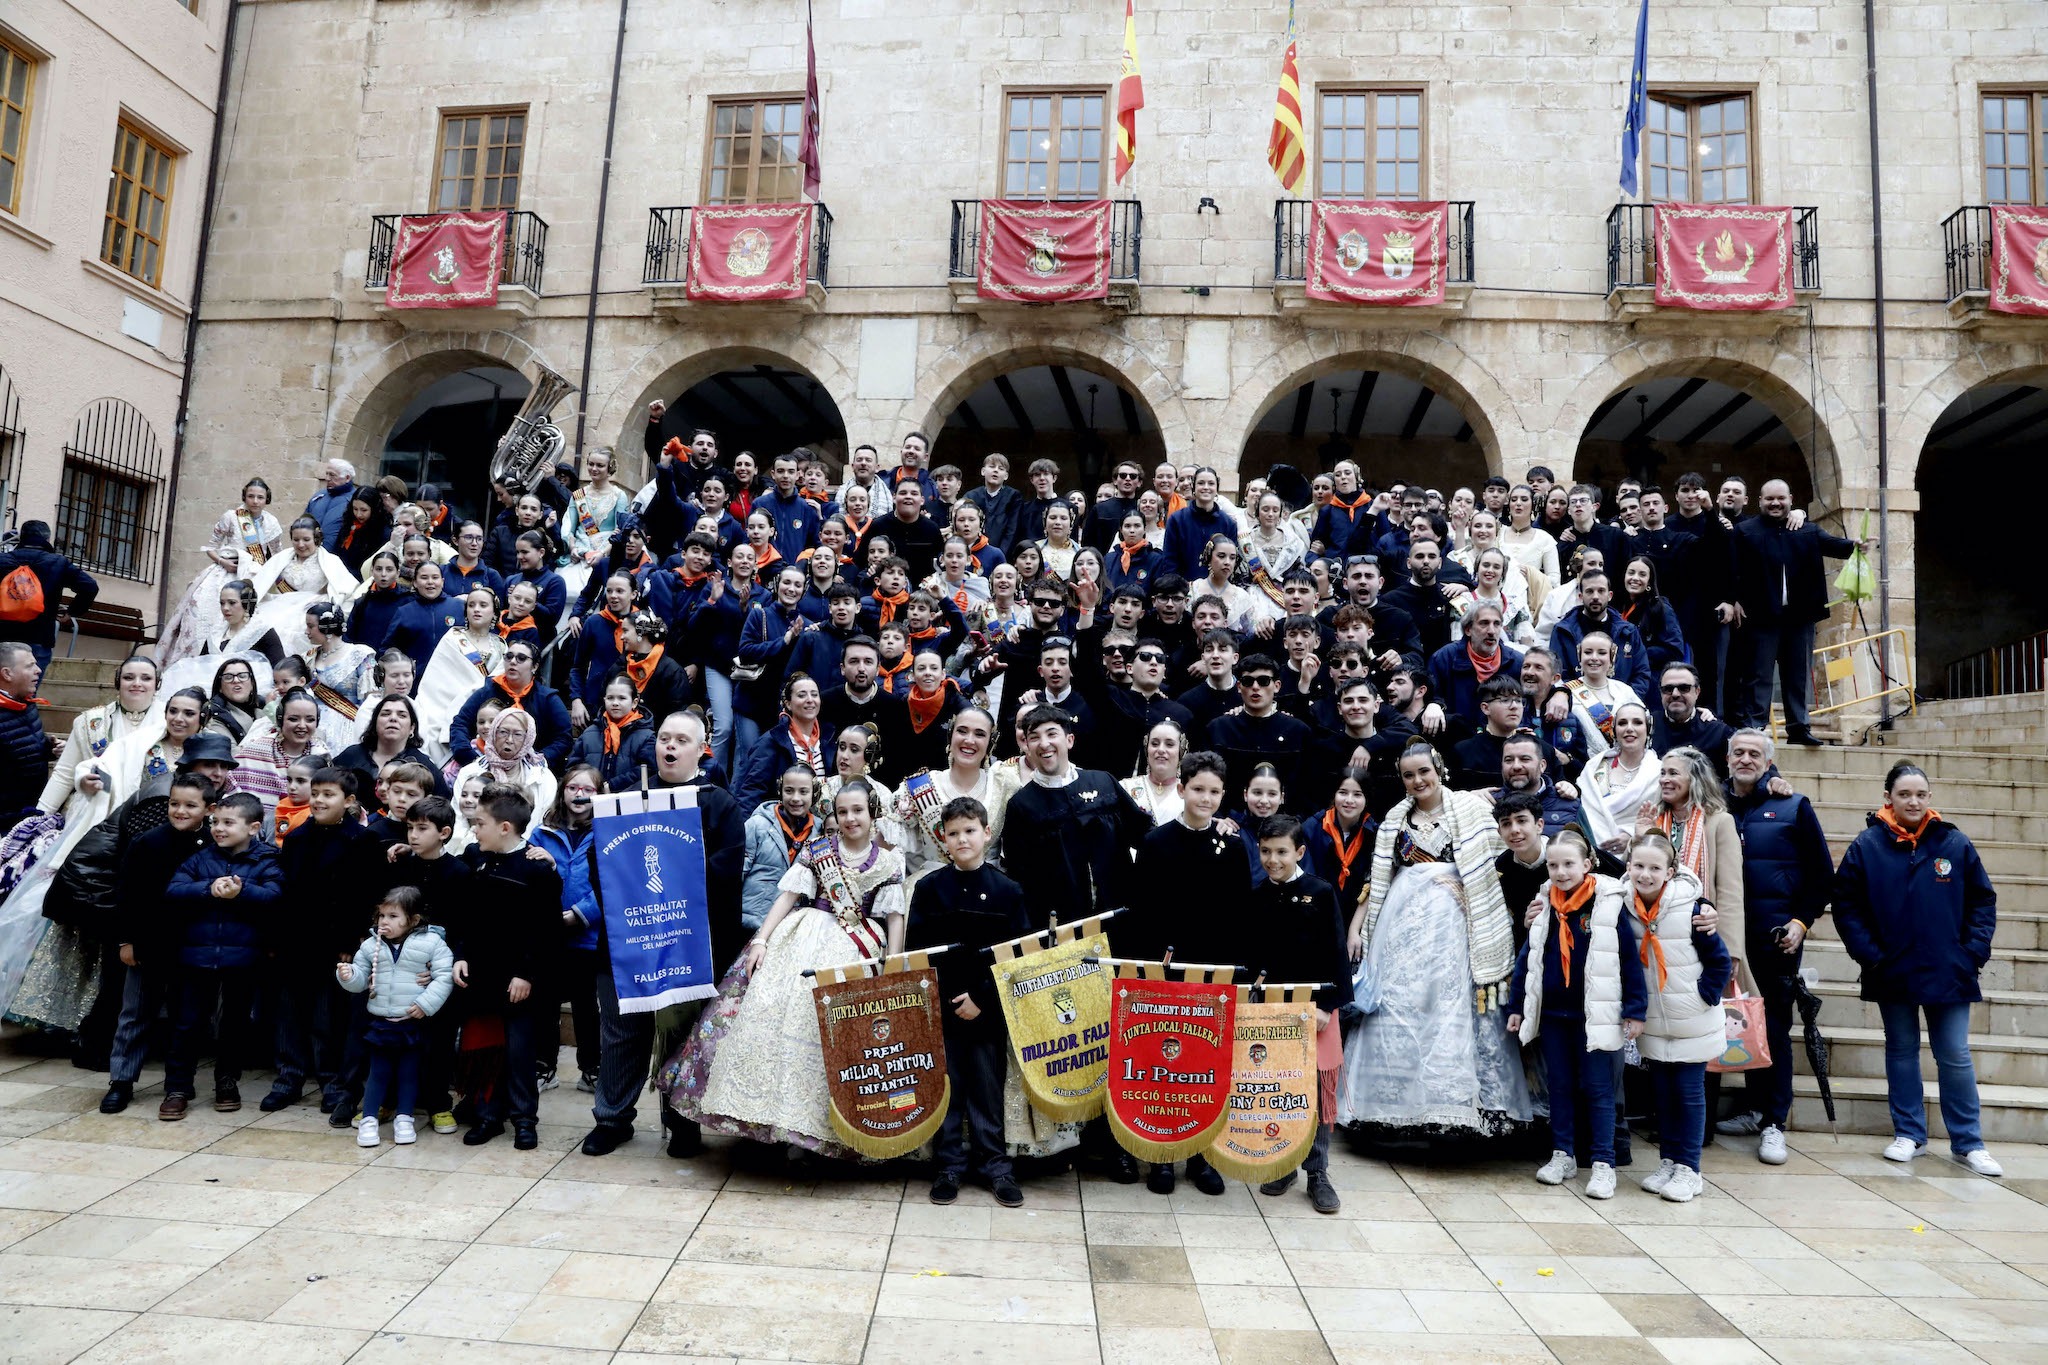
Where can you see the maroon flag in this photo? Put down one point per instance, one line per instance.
(1724, 257)
(1038, 252)
(2019, 260)
(748, 253)
(1386, 253)
(808, 153)
(447, 260)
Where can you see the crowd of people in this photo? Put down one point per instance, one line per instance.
(1490, 770)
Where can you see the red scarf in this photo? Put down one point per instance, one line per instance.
(507, 627)
(1485, 668)
(796, 838)
(886, 605)
(517, 699)
(1564, 906)
(1909, 837)
(614, 729)
(1646, 915)
(641, 670)
(1346, 855)
(924, 710)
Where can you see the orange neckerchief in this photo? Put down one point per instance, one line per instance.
(1174, 504)
(516, 698)
(618, 629)
(1345, 856)
(687, 579)
(1909, 837)
(1357, 501)
(887, 605)
(796, 838)
(855, 527)
(1688, 839)
(978, 546)
(1564, 909)
(807, 748)
(614, 730)
(8, 703)
(765, 556)
(917, 637)
(1646, 915)
(1485, 668)
(675, 449)
(819, 498)
(439, 518)
(642, 669)
(350, 538)
(924, 710)
(1126, 551)
(507, 627)
(885, 676)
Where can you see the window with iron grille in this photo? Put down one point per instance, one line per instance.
(138, 204)
(755, 144)
(1697, 150)
(1052, 145)
(481, 156)
(2016, 147)
(1371, 145)
(17, 97)
(110, 503)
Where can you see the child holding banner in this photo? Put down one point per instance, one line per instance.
(972, 906)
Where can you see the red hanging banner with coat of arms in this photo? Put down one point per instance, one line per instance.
(446, 260)
(2019, 260)
(747, 254)
(1724, 257)
(1387, 253)
(1033, 251)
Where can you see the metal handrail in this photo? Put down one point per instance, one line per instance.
(2005, 670)
(1966, 250)
(1632, 247)
(1293, 225)
(1126, 232)
(1832, 672)
(668, 245)
(525, 249)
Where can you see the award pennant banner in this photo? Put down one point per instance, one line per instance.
(446, 260)
(657, 922)
(1056, 1004)
(1170, 1059)
(1724, 257)
(1376, 252)
(1034, 251)
(751, 253)
(885, 1055)
(2019, 260)
(1272, 1120)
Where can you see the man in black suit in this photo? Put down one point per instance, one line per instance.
(1782, 592)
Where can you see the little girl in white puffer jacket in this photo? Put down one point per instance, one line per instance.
(389, 965)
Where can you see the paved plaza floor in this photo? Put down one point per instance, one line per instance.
(251, 1238)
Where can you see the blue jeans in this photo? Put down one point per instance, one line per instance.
(1948, 1036)
(718, 696)
(746, 732)
(1574, 1074)
(395, 1070)
(1681, 1110)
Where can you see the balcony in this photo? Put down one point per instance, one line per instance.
(1632, 280)
(1966, 249)
(666, 273)
(525, 252)
(1293, 228)
(1126, 231)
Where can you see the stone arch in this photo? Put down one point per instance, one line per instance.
(671, 366)
(1424, 357)
(1776, 377)
(361, 418)
(1979, 364)
(983, 354)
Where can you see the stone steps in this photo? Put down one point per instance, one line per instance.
(2020, 929)
(2010, 969)
(2000, 1061)
(2002, 1013)
(1870, 763)
(2020, 823)
(2009, 1113)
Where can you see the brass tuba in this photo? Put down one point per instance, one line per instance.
(530, 448)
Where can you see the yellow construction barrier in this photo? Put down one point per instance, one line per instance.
(1838, 668)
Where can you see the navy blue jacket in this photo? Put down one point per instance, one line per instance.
(550, 719)
(417, 628)
(597, 656)
(1787, 873)
(1569, 1001)
(714, 627)
(1187, 531)
(24, 759)
(796, 521)
(771, 756)
(456, 583)
(553, 598)
(1710, 737)
(762, 644)
(1662, 635)
(670, 598)
(998, 514)
(371, 620)
(55, 573)
(226, 933)
(1453, 682)
(1917, 917)
(1631, 655)
(622, 769)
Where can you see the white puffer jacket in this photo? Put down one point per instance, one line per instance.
(1603, 971)
(1678, 1026)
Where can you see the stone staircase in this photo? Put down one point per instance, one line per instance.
(72, 685)
(1988, 762)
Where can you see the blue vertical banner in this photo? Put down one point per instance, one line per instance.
(1638, 103)
(650, 877)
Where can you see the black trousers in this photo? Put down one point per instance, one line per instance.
(579, 987)
(200, 989)
(517, 1094)
(977, 1063)
(319, 1030)
(1770, 1087)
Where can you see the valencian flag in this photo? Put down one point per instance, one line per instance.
(1638, 102)
(447, 260)
(1377, 252)
(1056, 1004)
(807, 152)
(1170, 1049)
(1287, 149)
(1130, 98)
(1273, 1087)
(885, 1053)
(1723, 257)
(1033, 251)
(2019, 260)
(744, 253)
(657, 919)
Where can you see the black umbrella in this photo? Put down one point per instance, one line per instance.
(1816, 1046)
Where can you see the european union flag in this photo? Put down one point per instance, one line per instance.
(1638, 103)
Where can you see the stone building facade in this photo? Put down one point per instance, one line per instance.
(337, 106)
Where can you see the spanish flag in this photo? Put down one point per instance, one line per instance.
(1130, 98)
(1286, 149)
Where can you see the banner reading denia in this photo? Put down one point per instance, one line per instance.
(1170, 1046)
(1273, 1089)
(885, 1054)
(1056, 1003)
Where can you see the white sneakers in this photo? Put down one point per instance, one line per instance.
(1560, 1168)
(1684, 1185)
(1770, 1145)
(1600, 1184)
(1981, 1162)
(402, 1131)
(1903, 1149)
(1656, 1180)
(366, 1131)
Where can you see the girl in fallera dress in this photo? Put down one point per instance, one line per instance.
(243, 539)
(1157, 789)
(288, 584)
(967, 772)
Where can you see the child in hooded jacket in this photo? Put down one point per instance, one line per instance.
(388, 966)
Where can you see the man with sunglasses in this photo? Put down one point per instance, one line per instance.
(1169, 621)
(1679, 720)
(1260, 732)
(1016, 658)
(1127, 711)
(1099, 528)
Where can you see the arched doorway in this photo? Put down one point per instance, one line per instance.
(1965, 552)
(1395, 425)
(1660, 428)
(1080, 418)
(447, 434)
(765, 407)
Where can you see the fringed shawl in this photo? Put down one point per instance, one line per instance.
(1475, 843)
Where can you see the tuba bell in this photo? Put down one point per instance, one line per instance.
(529, 449)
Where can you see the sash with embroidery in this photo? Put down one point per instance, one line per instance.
(927, 801)
(835, 888)
(252, 536)
(591, 530)
(333, 700)
(475, 656)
